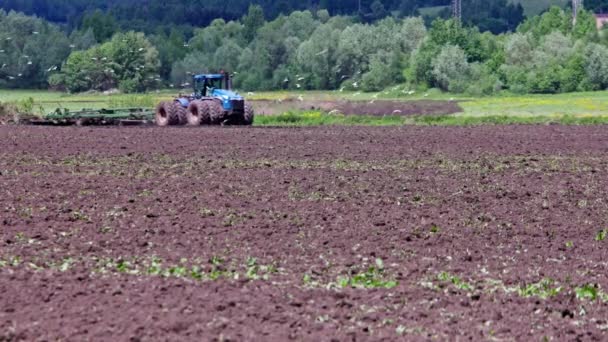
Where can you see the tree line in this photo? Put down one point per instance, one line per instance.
(311, 50)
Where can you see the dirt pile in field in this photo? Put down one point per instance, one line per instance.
(352, 233)
(373, 107)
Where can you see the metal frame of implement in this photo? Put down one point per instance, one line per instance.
(121, 116)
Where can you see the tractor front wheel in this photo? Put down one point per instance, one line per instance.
(249, 114)
(216, 113)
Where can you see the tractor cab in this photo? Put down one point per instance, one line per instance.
(206, 84)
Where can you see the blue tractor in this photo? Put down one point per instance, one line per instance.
(212, 103)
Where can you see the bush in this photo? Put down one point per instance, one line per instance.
(130, 86)
(483, 81)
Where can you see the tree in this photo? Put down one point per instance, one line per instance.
(102, 24)
(30, 50)
(128, 61)
(585, 26)
(413, 32)
(596, 61)
(253, 21)
(451, 69)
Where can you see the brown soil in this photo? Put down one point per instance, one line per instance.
(460, 217)
(374, 107)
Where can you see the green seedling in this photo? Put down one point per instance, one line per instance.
(601, 235)
(587, 292)
(454, 280)
(373, 277)
(544, 289)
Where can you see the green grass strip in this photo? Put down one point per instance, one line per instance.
(307, 119)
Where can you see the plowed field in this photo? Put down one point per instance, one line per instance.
(346, 233)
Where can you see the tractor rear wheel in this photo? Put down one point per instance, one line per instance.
(248, 116)
(216, 113)
(198, 113)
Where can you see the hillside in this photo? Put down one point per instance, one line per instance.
(534, 7)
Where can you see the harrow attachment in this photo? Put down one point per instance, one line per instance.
(121, 116)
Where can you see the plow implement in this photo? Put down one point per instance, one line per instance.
(120, 116)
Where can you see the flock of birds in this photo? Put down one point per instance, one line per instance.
(55, 67)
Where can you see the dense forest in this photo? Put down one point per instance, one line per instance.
(150, 15)
(333, 47)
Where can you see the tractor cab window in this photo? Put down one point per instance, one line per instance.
(211, 84)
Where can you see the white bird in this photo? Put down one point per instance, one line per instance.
(140, 49)
(250, 94)
(1, 51)
(411, 92)
(298, 86)
(3, 65)
(19, 75)
(186, 45)
(300, 98)
(11, 78)
(322, 52)
(372, 101)
(342, 89)
(426, 95)
(35, 32)
(356, 84)
(286, 80)
(301, 78)
(72, 46)
(104, 59)
(171, 85)
(29, 62)
(9, 38)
